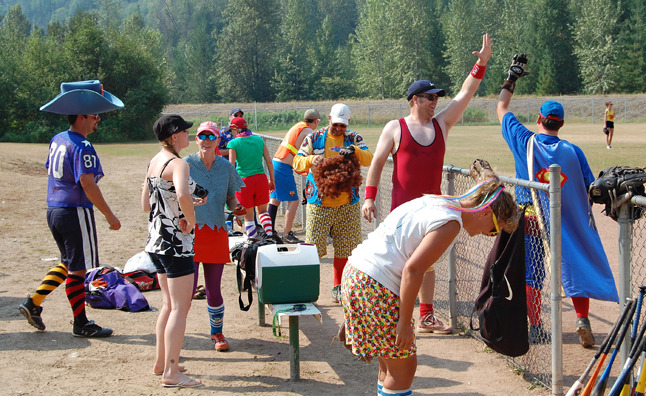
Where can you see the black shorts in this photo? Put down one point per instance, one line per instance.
(74, 231)
(610, 124)
(172, 266)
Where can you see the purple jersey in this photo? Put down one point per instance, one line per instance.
(70, 156)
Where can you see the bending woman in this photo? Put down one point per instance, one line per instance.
(167, 196)
(384, 273)
(220, 178)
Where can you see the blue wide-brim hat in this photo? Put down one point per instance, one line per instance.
(83, 97)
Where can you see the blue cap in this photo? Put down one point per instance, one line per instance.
(236, 110)
(424, 86)
(552, 110)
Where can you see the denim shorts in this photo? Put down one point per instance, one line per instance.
(172, 266)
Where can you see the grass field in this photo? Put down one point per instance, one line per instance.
(466, 143)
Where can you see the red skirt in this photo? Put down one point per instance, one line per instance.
(211, 246)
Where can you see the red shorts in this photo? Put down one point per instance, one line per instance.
(255, 192)
(211, 246)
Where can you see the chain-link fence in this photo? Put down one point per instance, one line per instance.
(277, 116)
(462, 277)
(632, 253)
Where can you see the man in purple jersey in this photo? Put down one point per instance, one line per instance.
(74, 170)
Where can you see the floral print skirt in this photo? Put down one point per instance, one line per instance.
(371, 314)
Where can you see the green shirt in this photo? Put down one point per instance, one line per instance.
(249, 151)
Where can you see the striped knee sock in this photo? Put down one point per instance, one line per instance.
(380, 387)
(75, 289)
(265, 220)
(52, 280)
(390, 392)
(216, 316)
(250, 227)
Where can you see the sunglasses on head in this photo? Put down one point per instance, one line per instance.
(431, 97)
(496, 229)
(204, 136)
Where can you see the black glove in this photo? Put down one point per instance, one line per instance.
(346, 151)
(517, 68)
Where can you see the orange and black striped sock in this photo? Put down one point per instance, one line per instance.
(75, 289)
(52, 280)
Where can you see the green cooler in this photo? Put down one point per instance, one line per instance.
(287, 274)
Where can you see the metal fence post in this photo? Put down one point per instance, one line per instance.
(453, 290)
(368, 115)
(556, 299)
(625, 110)
(625, 245)
(593, 110)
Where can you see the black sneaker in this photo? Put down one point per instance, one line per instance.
(91, 330)
(290, 238)
(275, 238)
(583, 329)
(32, 313)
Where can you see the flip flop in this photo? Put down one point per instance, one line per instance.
(182, 369)
(200, 293)
(187, 383)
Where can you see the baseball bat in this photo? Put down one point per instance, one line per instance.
(599, 388)
(639, 345)
(642, 291)
(578, 385)
(641, 382)
(638, 374)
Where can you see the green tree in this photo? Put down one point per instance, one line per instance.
(293, 80)
(460, 30)
(596, 46)
(332, 66)
(632, 54)
(247, 51)
(372, 53)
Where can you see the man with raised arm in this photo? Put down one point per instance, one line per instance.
(417, 143)
(585, 270)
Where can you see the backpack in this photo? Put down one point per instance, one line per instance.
(614, 182)
(502, 303)
(105, 288)
(244, 255)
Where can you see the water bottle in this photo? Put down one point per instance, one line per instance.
(229, 226)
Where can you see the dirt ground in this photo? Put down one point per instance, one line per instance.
(54, 362)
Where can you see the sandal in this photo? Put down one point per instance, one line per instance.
(200, 293)
(188, 382)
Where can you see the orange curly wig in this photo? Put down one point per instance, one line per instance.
(337, 175)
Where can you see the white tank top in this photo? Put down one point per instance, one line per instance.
(383, 255)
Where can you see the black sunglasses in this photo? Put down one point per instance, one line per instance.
(204, 136)
(432, 97)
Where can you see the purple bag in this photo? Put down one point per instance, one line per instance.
(105, 288)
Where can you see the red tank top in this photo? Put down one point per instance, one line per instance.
(417, 169)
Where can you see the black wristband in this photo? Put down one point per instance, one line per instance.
(509, 85)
